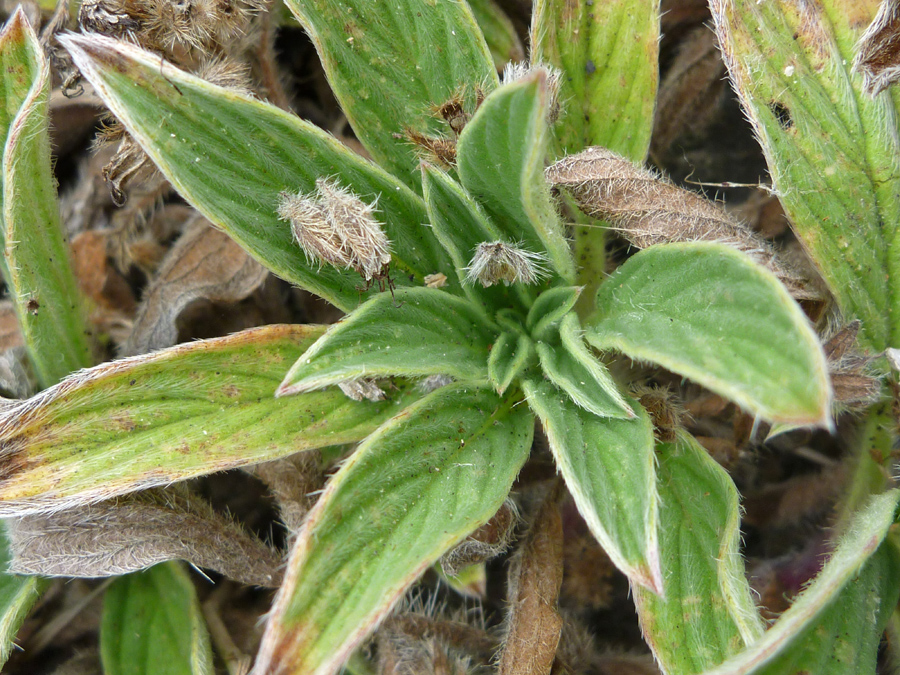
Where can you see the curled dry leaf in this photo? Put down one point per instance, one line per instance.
(878, 51)
(648, 210)
(138, 531)
(461, 637)
(294, 483)
(203, 264)
(535, 577)
(488, 541)
(854, 384)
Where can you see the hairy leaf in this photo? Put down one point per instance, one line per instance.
(17, 596)
(707, 613)
(835, 625)
(175, 414)
(417, 486)
(608, 466)
(501, 164)
(831, 149)
(414, 55)
(232, 157)
(37, 267)
(877, 59)
(707, 312)
(138, 531)
(152, 625)
(549, 309)
(413, 332)
(510, 355)
(499, 32)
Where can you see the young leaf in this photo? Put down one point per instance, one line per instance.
(175, 414)
(500, 159)
(609, 468)
(569, 365)
(416, 487)
(831, 149)
(510, 355)
(549, 309)
(152, 624)
(707, 312)
(835, 625)
(232, 157)
(387, 63)
(707, 613)
(37, 267)
(413, 332)
(17, 596)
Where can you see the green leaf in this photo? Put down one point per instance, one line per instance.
(182, 412)
(709, 313)
(460, 225)
(609, 468)
(499, 32)
(500, 158)
(36, 267)
(388, 63)
(569, 365)
(232, 156)
(549, 309)
(415, 488)
(510, 355)
(831, 149)
(18, 595)
(414, 332)
(608, 53)
(707, 613)
(152, 624)
(835, 625)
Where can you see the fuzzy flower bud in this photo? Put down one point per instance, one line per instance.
(335, 226)
(497, 261)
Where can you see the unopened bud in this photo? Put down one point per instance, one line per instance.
(496, 261)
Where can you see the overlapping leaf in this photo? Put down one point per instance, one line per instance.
(417, 486)
(17, 596)
(232, 156)
(707, 312)
(186, 411)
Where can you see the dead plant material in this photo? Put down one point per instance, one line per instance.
(855, 385)
(293, 482)
(138, 531)
(205, 263)
(488, 541)
(664, 409)
(470, 640)
(362, 389)
(435, 149)
(878, 51)
(535, 577)
(648, 210)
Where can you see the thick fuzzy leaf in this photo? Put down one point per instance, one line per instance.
(175, 414)
(37, 268)
(499, 32)
(510, 355)
(609, 468)
(608, 53)
(549, 309)
(152, 624)
(460, 225)
(831, 148)
(388, 63)
(569, 365)
(500, 159)
(413, 332)
(232, 157)
(835, 625)
(17, 597)
(709, 313)
(415, 488)
(707, 613)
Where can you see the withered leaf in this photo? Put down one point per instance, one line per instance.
(878, 51)
(203, 264)
(488, 541)
(648, 210)
(138, 531)
(535, 578)
(293, 482)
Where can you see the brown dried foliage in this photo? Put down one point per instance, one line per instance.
(488, 541)
(878, 51)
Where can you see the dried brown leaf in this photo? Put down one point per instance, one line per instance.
(409, 628)
(535, 578)
(203, 264)
(488, 541)
(878, 51)
(293, 482)
(648, 210)
(135, 532)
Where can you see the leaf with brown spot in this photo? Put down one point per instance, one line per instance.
(535, 578)
(205, 263)
(138, 531)
(159, 418)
